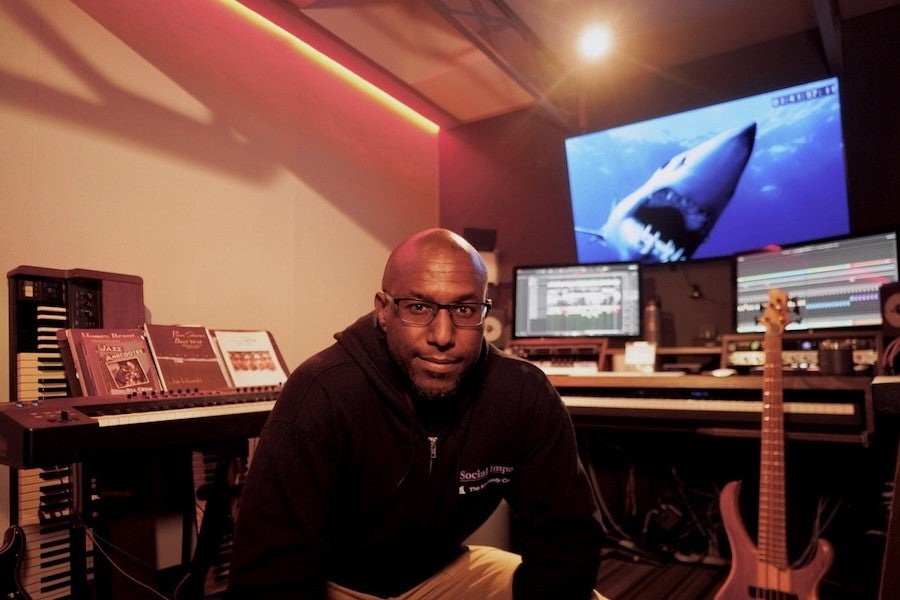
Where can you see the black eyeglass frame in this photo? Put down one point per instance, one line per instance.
(485, 308)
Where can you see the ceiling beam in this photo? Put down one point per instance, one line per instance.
(501, 35)
(828, 15)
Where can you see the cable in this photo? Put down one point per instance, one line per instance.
(604, 509)
(98, 546)
(705, 532)
(819, 527)
(890, 356)
(99, 541)
(696, 292)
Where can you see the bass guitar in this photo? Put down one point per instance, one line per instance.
(763, 570)
(12, 553)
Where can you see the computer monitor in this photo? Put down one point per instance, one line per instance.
(568, 301)
(835, 281)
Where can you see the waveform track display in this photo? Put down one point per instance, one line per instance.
(581, 322)
(578, 300)
(823, 312)
(828, 305)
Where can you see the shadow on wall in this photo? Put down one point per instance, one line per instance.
(269, 107)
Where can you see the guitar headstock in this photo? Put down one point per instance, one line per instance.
(776, 315)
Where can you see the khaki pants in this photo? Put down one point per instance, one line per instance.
(482, 573)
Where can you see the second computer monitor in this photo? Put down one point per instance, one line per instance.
(585, 300)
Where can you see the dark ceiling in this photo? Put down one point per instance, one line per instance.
(481, 58)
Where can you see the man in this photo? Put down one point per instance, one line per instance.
(387, 450)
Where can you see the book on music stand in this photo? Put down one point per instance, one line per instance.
(186, 357)
(251, 357)
(108, 362)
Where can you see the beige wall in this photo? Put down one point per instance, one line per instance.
(186, 144)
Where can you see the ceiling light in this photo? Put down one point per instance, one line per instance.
(595, 42)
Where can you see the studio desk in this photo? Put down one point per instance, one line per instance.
(841, 432)
(824, 408)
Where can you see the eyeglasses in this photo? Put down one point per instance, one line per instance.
(414, 311)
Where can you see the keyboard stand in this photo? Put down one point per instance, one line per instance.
(79, 498)
(217, 524)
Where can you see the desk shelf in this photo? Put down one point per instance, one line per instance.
(704, 358)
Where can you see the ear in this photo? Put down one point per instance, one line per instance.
(381, 307)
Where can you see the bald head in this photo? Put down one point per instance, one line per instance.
(433, 250)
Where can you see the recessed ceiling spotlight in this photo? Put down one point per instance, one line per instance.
(595, 42)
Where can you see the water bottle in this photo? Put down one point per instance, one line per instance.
(652, 321)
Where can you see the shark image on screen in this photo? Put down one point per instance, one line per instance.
(666, 218)
(757, 171)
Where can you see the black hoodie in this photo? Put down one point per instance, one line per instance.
(349, 484)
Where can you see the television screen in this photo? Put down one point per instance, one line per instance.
(835, 281)
(710, 182)
(588, 300)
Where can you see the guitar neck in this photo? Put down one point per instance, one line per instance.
(772, 534)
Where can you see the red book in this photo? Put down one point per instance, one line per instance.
(113, 362)
(186, 358)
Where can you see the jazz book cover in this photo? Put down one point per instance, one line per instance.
(113, 362)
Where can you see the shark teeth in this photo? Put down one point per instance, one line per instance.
(667, 226)
(644, 240)
(694, 217)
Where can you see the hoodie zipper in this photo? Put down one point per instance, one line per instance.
(432, 442)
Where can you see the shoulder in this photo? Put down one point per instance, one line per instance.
(323, 377)
(517, 398)
(518, 381)
(505, 367)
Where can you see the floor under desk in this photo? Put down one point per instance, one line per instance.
(624, 579)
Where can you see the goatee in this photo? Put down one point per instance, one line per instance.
(427, 396)
(436, 407)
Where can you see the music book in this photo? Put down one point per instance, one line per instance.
(252, 358)
(114, 362)
(186, 357)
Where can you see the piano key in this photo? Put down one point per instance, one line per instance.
(199, 412)
(726, 406)
(41, 385)
(51, 317)
(43, 370)
(46, 308)
(36, 359)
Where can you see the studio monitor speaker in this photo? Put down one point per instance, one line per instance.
(890, 309)
(497, 328)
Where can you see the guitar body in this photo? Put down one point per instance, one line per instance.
(751, 577)
(12, 553)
